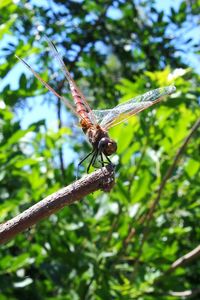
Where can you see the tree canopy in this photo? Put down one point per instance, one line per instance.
(140, 241)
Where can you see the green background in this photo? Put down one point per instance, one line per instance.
(104, 247)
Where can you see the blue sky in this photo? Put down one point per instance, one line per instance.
(166, 4)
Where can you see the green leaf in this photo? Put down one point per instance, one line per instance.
(5, 28)
(16, 137)
(23, 82)
(192, 167)
(9, 264)
(4, 3)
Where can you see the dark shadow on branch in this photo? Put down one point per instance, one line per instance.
(100, 179)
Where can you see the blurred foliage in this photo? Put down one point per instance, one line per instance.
(96, 249)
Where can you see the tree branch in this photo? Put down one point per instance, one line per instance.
(100, 179)
(185, 259)
(180, 262)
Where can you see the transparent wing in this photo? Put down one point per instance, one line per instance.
(111, 117)
(72, 84)
(65, 101)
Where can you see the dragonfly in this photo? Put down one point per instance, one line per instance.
(96, 123)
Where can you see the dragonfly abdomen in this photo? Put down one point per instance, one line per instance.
(80, 106)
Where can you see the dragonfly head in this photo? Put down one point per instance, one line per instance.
(107, 146)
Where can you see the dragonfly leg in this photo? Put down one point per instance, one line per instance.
(108, 159)
(94, 157)
(80, 163)
(102, 162)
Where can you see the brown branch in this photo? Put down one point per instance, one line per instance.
(182, 294)
(100, 179)
(185, 259)
(187, 293)
(180, 262)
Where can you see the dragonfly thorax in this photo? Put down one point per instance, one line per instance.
(100, 140)
(107, 146)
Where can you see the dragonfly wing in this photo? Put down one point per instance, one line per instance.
(65, 101)
(111, 117)
(101, 114)
(72, 84)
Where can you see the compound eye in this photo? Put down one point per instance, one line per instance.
(102, 143)
(111, 148)
(107, 146)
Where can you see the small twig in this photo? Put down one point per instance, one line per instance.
(100, 179)
(180, 262)
(171, 169)
(162, 295)
(185, 259)
(149, 215)
(185, 294)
